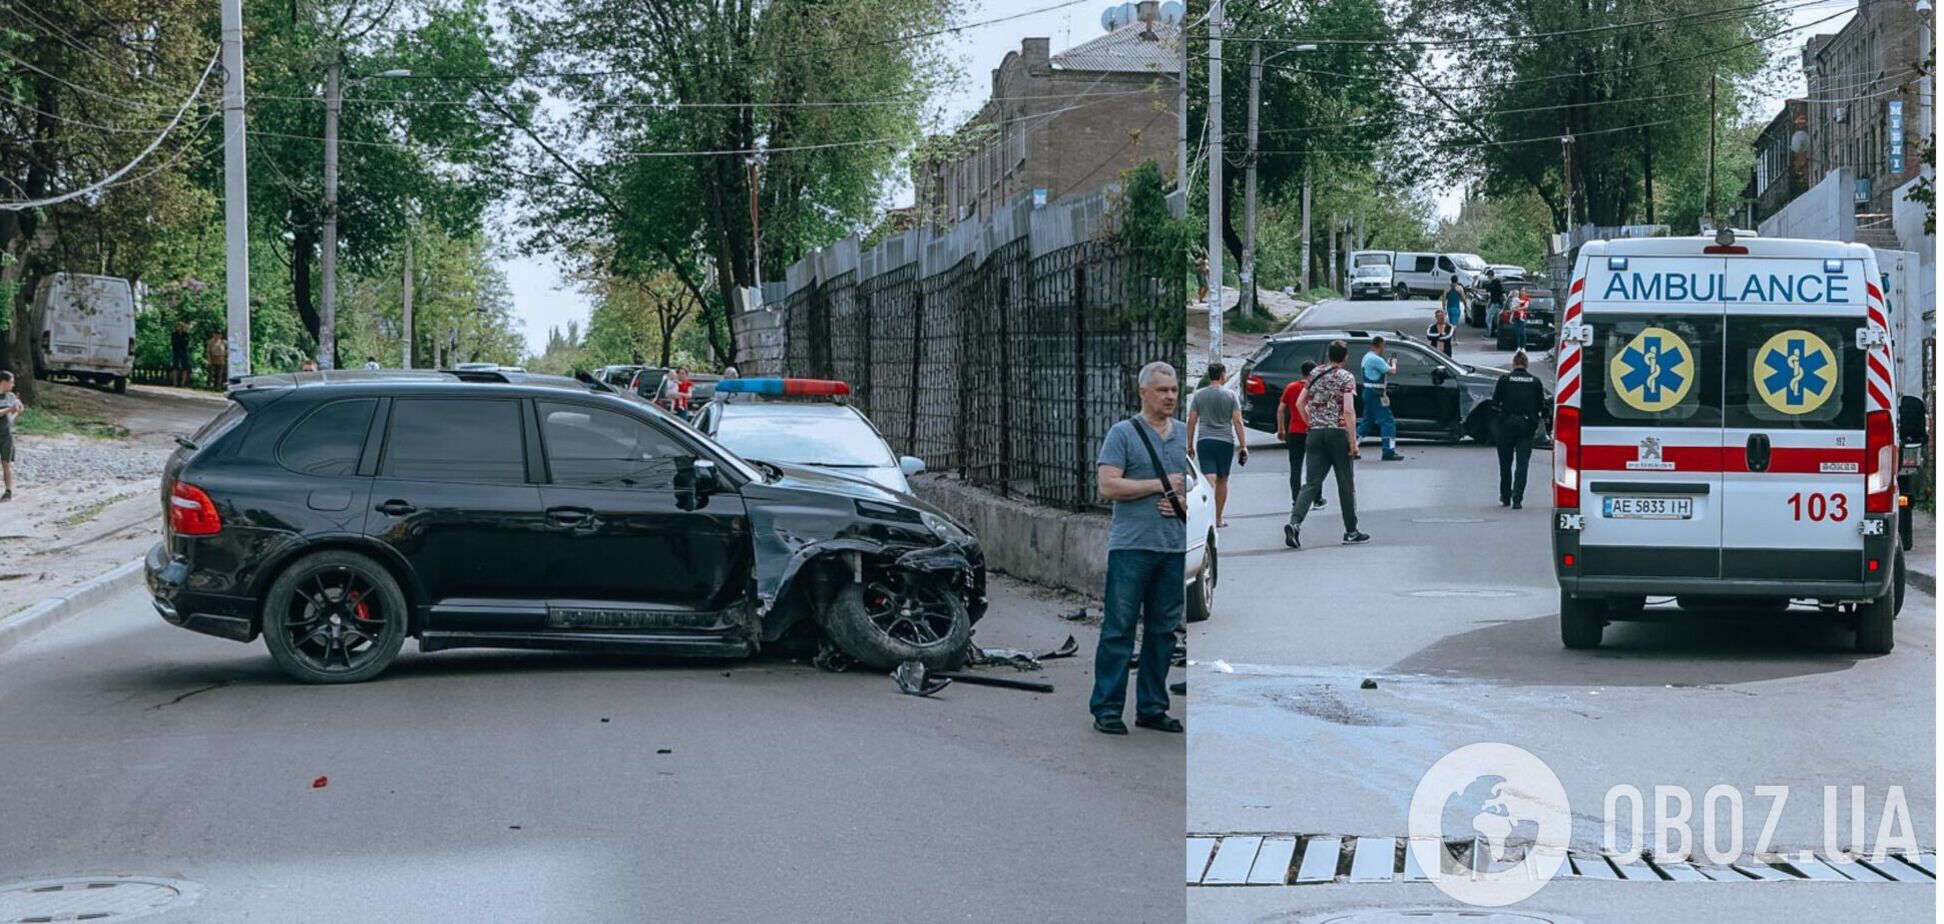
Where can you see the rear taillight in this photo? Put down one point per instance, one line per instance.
(1880, 463)
(1256, 385)
(191, 512)
(1566, 448)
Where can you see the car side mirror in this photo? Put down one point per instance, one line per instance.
(707, 479)
(1439, 374)
(911, 465)
(695, 480)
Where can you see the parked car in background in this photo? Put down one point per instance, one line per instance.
(648, 382)
(86, 329)
(1432, 396)
(805, 422)
(1428, 274)
(617, 376)
(1372, 280)
(1202, 568)
(338, 515)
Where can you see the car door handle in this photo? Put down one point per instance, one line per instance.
(569, 516)
(395, 508)
(1758, 452)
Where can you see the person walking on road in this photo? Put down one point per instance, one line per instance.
(1201, 278)
(1329, 412)
(1440, 332)
(10, 408)
(1377, 419)
(216, 354)
(1520, 400)
(1455, 298)
(1215, 424)
(1142, 469)
(1294, 433)
(179, 355)
(1494, 300)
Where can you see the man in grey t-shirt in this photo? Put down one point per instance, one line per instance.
(10, 408)
(1215, 423)
(1146, 555)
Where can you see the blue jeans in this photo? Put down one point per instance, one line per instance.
(1377, 418)
(1143, 588)
(1518, 334)
(1491, 316)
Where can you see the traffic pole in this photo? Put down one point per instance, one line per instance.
(1215, 183)
(327, 265)
(1247, 299)
(236, 194)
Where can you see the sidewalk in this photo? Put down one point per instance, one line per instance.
(1236, 346)
(1921, 561)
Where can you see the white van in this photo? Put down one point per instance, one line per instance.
(1725, 432)
(87, 329)
(1427, 274)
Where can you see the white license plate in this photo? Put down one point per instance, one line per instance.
(68, 348)
(1648, 508)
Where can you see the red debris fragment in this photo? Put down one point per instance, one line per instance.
(320, 782)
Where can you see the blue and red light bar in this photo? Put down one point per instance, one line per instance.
(787, 387)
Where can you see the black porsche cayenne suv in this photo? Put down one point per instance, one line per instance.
(337, 514)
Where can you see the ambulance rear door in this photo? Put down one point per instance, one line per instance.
(1795, 399)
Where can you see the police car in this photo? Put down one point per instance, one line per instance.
(1725, 432)
(804, 422)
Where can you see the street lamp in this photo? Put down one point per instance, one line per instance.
(327, 308)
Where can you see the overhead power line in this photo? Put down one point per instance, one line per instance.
(118, 174)
(1538, 36)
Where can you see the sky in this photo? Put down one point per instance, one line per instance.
(543, 299)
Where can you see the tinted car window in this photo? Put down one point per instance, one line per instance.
(1289, 357)
(459, 439)
(1653, 372)
(1411, 364)
(590, 446)
(330, 440)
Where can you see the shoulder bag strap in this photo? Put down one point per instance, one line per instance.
(1174, 500)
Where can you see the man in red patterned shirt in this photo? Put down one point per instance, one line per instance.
(1329, 411)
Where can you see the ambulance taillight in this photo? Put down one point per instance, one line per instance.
(1880, 450)
(1566, 457)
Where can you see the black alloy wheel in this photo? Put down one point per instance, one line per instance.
(334, 617)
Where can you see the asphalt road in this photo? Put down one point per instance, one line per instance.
(507, 786)
(1452, 611)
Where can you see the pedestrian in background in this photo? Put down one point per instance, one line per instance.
(371, 362)
(179, 355)
(1293, 432)
(1494, 300)
(1520, 400)
(1330, 412)
(1142, 469)
(1521, 306)
(728, 397)
(1377, 419)
(1215, 425)
(10, 410)
(216, 354)
(1455, 298)
(1201, 277)
(309, 365)
(1440, 332)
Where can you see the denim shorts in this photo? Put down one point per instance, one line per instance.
(1216, 457)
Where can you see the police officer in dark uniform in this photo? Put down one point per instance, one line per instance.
(1521, 404)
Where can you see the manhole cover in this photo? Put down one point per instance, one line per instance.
(100, 898)
(1448, 520)
(1435, 916)
(1478, 594)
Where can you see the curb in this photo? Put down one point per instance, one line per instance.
(53, 611)
(1920, 580)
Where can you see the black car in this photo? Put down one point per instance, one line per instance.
(1432, 397)
(1541, 311)
(338, 513)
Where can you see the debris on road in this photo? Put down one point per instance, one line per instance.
(320, 782)
(830, 658)
(913, 680)
(1079, 615)
(1220, 666)
(986, 680)
(1015, 658)
(664, 750)
(1368, 684)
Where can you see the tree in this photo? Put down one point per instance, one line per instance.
(637, 318)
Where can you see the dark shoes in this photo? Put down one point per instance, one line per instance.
(1290, 537)
(1162, 722)
(1318, 505)
(1110, 725)
(1355, 538)
(1392, 457)
(1504, 502)
(6, 496)
(1518, 505)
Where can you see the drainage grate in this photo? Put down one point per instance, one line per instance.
(1314, 859)
(99, 898)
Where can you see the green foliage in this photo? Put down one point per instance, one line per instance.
(41, 420)
(1511, 229)
(1157, 241)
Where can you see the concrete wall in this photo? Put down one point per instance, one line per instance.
(1053, 548)
(1827, 212)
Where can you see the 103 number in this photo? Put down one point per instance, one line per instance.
(1820, 507)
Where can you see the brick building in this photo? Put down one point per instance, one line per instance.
(1861, 81)
(1060, 125)
(1781, 170)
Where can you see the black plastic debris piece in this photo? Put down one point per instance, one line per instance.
(1015, 658)
(1067, 649)
(664, 750)
(1179, 688)
(830, 658)
(1368, 684)
(913, 679)
(604, 720)
(987, 680)
(1079, 615)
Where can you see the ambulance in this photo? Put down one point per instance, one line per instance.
(1725, 434)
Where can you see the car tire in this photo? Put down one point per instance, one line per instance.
(1503, 341)
(301, 604)
(861, 631)
(1479, 428)
(1897, 587)
(1581, 621)
(1402, 291)
(1876, 624)
(1201, 593)
(121, 385)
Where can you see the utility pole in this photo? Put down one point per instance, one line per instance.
(327, 306)
(408, 297)
(1215, 182)
(1181, 115)
(1566, 147)
(236, 193)
(1306, 217)
(1713, 120)
(755, 162)
(1247, 300)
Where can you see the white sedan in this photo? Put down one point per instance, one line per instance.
(1202, 567)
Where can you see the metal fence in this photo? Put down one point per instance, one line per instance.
(1001, 351)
